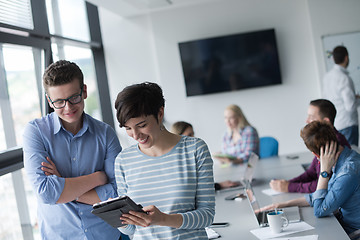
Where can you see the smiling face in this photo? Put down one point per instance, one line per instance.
(71, 114)
(145, 129)
(231, 120)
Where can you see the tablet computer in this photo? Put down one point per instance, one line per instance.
(222, 155)
(111, 210)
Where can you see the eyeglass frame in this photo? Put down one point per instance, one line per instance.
(67, 99)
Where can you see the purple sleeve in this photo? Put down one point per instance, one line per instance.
(306, 182)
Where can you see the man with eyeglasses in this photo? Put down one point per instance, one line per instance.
(69, 160)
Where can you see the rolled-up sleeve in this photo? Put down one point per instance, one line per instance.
(325, 202)
(113, 148)
(48, 188)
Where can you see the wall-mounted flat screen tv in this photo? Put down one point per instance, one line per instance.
(229, 63)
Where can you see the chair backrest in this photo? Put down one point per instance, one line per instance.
(269, 147)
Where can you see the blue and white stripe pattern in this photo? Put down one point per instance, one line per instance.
(181, 181)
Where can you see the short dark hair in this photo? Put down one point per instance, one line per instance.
(137, 100)
(62, 72)
(339, 53)
(326, 109)
(316, 134)
(180, 127)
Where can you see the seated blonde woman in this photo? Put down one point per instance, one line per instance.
(240, 140)
(186, 129)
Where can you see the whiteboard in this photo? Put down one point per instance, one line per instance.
(352, 42)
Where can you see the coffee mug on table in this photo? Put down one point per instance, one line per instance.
(277, 221)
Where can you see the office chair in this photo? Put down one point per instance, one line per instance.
(269, 147)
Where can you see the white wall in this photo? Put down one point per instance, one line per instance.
(145, 49)
(336, 17)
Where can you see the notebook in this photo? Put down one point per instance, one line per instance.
(291, 213)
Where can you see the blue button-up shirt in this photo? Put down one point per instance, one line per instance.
(93, 148)
(343, 191)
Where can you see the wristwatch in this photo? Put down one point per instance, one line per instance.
(325, 174)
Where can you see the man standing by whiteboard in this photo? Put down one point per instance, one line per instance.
(339, 89)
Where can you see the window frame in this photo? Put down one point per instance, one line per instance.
(40, 38)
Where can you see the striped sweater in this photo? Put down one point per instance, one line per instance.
(180, 181)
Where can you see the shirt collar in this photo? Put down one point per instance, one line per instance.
(57, 123)
(341, 68)
(86, 125)
(343, 156)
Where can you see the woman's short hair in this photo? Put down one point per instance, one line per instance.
(62, 72)
(316, 134)
(243, 122)
(180, 127)
(138, 100)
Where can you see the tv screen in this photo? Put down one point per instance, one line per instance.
(229, 63)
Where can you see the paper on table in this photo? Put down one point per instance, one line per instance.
(211, 233)
(265, 232)
(271, 192)
(308, 237)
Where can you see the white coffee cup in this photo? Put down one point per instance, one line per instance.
(277, 221)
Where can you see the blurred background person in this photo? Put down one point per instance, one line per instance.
(319, 110)
(338, 188)
(339, 88)
(240, 139)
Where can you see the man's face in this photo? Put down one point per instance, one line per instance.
(70, 114)
(313, 114)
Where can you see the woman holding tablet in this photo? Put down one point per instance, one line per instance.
(170, 175)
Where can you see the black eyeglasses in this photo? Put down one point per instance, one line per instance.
(75, 99)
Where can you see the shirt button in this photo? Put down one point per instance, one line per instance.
(85, 230)
(81, 213)
(324, 208)
(74, 159)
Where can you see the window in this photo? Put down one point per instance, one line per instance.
(22, 95)
(2, 134)
(24, 92)
(84, 59)
(68, 18)
(10, 227)
(28, 45)
(16, 13)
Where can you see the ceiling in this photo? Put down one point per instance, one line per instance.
(128, 8)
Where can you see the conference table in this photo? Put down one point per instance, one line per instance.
(239, 213)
